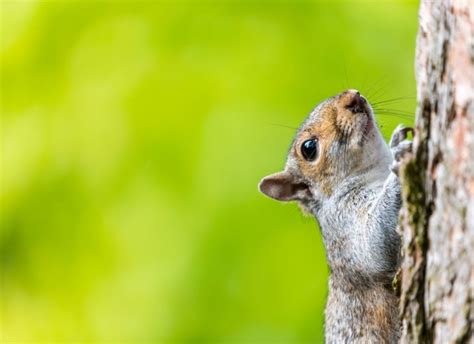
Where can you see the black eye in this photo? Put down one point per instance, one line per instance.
(309, 149)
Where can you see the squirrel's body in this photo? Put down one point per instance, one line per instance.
(362, 251)
(340, 170)
(358, 315)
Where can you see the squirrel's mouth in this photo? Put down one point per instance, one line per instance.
(369, 125)
(359, 106)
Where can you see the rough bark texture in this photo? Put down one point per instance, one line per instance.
(437, 218)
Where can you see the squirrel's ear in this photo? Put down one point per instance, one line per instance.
(282, 186)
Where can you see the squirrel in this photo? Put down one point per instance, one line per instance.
(340, 170)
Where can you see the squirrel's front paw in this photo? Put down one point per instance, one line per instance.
(400, 146)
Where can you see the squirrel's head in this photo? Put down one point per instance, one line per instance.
(338, 140)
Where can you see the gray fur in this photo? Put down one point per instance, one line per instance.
(358, 222)
(358, 225)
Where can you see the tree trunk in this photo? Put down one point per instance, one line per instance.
(437, 217)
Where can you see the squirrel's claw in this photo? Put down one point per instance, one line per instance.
(401, 151)
(400, 134)
(400, 147)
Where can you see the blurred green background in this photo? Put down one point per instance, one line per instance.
(133, 136)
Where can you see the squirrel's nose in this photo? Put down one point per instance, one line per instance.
(356, 103)
(353, 91)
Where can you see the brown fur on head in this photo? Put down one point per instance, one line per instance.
(346, 140)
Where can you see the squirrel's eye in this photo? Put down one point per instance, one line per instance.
(309, 149)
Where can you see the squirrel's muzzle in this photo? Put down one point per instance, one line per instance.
(355, 102)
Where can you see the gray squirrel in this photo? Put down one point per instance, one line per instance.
(340, 170)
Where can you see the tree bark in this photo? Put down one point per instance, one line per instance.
(437, 216)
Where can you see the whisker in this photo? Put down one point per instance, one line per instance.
(375, 85)
(380, 92)
(282, 125)
(345, 73)
(395, 114)
(364, 82)
(372, 86)
(403, 112)
(393, 100)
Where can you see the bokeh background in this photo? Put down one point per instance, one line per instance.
(133, 136)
